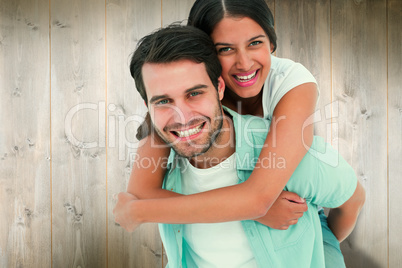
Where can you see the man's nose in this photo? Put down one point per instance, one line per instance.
(183, 113)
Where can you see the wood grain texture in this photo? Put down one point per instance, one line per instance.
(87, 92)
(359, 84)
(127, 22)
(25, 239)
(78, 131)
(175, 10)
(303, 30)
(395, 130)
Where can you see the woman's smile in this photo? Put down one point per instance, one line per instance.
(244, 51)
(246, 79)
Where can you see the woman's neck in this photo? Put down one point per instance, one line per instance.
(252, 105)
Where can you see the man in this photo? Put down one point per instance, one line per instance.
(213, 150)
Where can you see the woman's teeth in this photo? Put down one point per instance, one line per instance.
(189, 132)
(245, 78)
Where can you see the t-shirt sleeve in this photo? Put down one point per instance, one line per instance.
(284, 76)
(335, 179)
(323, 177)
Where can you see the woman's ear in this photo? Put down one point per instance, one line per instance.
(221, 87)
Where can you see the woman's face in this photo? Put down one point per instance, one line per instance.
(244, 51)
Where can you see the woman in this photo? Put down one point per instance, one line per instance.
(258, 84)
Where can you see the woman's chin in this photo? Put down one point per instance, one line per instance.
(246, 92)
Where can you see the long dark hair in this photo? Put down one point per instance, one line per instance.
(205, 14)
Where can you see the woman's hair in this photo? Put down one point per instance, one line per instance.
(205, 14)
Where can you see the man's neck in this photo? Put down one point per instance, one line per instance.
(223, 147)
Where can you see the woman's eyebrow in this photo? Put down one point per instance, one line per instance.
(222, 44)
(251, 39)
(256, 37)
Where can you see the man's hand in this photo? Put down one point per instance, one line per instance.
(286, 211)
(123, 212)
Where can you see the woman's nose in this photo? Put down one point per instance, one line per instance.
(243, 61)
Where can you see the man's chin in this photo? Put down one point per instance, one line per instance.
(190, 153)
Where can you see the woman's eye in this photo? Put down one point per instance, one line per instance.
(254, 43)
(224, 49)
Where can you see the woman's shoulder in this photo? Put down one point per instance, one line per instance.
(285, 74)
(284, 66)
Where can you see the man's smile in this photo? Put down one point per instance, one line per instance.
(188, 132)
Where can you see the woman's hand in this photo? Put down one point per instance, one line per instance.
(286, 211)
(123, 213)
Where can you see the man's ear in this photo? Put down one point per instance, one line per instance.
(272, 48)
(221, 87)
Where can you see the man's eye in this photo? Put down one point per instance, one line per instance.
(193, 94)
(162, 102)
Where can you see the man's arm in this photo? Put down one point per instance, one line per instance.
(342, 220)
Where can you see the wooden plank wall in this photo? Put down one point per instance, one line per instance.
(124, 110)
(69, 112)
(25, 147)
(394, 41)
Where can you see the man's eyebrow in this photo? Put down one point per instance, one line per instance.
(160, 97)
(251, 39)
(196, 87)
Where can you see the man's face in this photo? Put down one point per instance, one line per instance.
(184, 105)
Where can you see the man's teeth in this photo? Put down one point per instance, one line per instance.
(189, 132)
(245, 78)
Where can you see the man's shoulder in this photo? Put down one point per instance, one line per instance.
(250, 134)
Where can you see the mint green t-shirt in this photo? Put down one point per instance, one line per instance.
(323, 178)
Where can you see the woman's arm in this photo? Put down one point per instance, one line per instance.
(146, 181)
(253, 198)
(287, 209)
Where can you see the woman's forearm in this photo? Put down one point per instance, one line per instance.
(253, 198)
(208, 207)
(149, 168)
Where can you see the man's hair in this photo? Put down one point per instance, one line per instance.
(206, 14)
(171, 44)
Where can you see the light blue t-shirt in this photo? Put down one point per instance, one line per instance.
(323, 178)
(284, 75)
